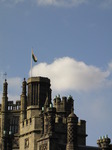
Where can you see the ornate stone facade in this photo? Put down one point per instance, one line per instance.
(36, 123)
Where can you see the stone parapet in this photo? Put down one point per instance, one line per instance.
(29, 125)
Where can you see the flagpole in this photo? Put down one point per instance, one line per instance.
(34, 58)
(31, 64)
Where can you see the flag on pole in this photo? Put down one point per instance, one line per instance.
(34, 57)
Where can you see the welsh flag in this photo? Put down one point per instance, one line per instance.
(34, 57)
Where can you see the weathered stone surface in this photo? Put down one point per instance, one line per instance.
(34, 123)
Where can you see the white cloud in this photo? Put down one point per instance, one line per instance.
(90, 88)
(61, 2)
(65, 3)
(68, 74)
(105, 4)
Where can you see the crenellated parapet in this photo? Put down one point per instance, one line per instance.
(30, 125)
(64, 105)
(14, 106)
(34, 122)
(104, 142)
(47, 116)
(26, 123)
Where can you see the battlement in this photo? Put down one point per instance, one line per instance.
(29, 125)
(12, 106)
(38, 79)
(63, 105)
(104, 142)
(27, 122)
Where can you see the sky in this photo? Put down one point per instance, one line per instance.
(72, 40)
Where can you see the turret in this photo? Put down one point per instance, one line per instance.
(72, 122)
(23, 101)
(39, 95)
(63, 105)
(4, 97)
(104, 143)
(4, 110)
(38, 91)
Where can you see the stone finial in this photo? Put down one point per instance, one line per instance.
(5, 88)
(24, 87)
(104, 142)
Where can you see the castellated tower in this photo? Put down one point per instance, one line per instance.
(36, 123)
(38, 91)
(31, 105)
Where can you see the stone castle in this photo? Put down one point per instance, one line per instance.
(36, 123)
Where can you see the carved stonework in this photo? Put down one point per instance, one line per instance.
(104, 143)
(43, 147)
(50, 124)
(72, 121)
(26, 142)
(70, 134)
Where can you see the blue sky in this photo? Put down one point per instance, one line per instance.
(73, 42)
